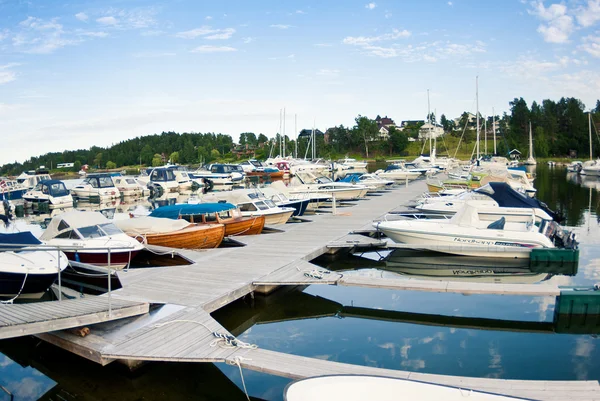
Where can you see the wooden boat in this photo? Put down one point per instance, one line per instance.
(274, 175)
(173, 233)
(211, 213)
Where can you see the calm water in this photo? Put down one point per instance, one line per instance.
(390, 329)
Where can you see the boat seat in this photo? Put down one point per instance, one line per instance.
(498, 224)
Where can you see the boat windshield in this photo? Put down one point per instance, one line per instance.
(110, 229)
(130, 181)
(323, 180)
(91, 232)
(270, 203)
(261, 205)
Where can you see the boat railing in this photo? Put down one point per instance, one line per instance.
(415, 216)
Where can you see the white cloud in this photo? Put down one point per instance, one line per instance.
(208, 17)
(107, 20)
(370, 6)
(280, 26)
(367, 40)
(591, 45)
(588, 16)
(300, 12)
(328, 73)
(450, 4)
(93, 34)
(213, 49)
(222, 34)
(384, 52)
(82, 17)
(7, 76)
(387, 14)
(207, 32)
(152, 32)
(40, 36)
(248, 40)
(557, 26)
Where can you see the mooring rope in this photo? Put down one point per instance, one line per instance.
(10, 301)
(314, 273)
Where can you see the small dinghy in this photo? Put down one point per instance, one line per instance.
(376, 388)
(27, 273)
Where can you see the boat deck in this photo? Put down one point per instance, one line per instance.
(181, 330)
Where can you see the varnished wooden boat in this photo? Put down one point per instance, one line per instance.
(195, 236)
(274, 175)
(210, 213)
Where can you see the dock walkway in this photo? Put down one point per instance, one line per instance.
(40, 317)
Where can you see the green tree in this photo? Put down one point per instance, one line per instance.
(111, 165)
(214, 154)
(203, 155)
(174, 157)
(262, 139)
(98, 160)
(156, 160)
(146, 155)
(540, 143)
(76, 166)
(398, 139)
(365, 129)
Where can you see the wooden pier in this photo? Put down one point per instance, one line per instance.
(182, 329)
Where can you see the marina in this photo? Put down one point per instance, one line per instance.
(179, 326)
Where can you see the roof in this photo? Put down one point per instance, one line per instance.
(73, 219)
(514, 151)
(184, 209)
(308, 132)
(385, 120)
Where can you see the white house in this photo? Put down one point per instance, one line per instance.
(430, 129)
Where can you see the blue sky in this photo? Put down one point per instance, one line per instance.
(85, 73)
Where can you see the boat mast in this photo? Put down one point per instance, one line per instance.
(485, 135)
(313, 142)
(494, 128)
(429, 120)
(590, 128)
(530, 141)
(296, 129)
(283, 133)
(280, 137)
(477, 102)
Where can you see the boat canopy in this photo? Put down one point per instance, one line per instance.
(184, 209)
(54, 188)
(17, 240)
(151, 225)
(72, 220)
(506, 196)
(467, 216)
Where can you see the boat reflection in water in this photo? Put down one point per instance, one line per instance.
(435, 266)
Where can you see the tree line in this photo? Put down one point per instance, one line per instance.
(559, 127)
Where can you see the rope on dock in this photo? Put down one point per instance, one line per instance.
(222, 340)
(237, 361)
(10, 301)
(314, 273)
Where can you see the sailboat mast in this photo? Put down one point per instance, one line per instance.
(296, 130)
(283, 153)
(313, 154)
(280, 137)
(477, 102)
(530, 141)
(494, 128)
(429, 120)
(485, 135)
(590, 128)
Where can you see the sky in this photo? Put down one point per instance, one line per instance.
(83, 73)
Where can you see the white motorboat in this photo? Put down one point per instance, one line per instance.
(29, 179)
(397, 173)
(216, 178)
(471, 232)
(27, 273)
(371, 181)
(96, 186)
(11, 189)
(574, 167)
(315, 199)
(591, 167)
(129, 187)
(96, 239)
(51, 192)
(377, 388)
(253, 203)
(280, 199)
(162, 177)
(298, 165)
(305, 181)
(352, 163)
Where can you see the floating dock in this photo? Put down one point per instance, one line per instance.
(182, 329)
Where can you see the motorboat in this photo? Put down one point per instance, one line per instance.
(491, 195)
(315, 199)
(220, 179)
(214, 213)
(29, 179)
(11, 189)
(54, 193)
(163, 177)
(129, 187)
(371, 181)
(172, 233)
(299, 165)
(475, 231)
(253, 203)
(574, 166)
(27, 272)
(280, 199)
(95, 238)
(235, 172)
(305, 181)
(397, 173)
(352, 163)
(185, 180)
(591, 167)
(346, 387)
(96, 186)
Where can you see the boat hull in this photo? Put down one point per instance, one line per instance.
(35, 284)
(195, 237)
(118, 259)
(245, 226)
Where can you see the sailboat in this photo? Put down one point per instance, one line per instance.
(530, 160)
(590, 167)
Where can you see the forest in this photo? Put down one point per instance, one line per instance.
(559, 128)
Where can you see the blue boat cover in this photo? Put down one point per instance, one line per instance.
(22, 239)
(506, 196)
(184, 209)
(55, 188)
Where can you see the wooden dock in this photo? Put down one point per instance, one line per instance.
(41, 317)
(181, 330)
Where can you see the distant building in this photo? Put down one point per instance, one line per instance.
(428, 130)
(306, 133)
(514, 154)
(471, 122)
(384, 124)
(407, 123)
(65, 165)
